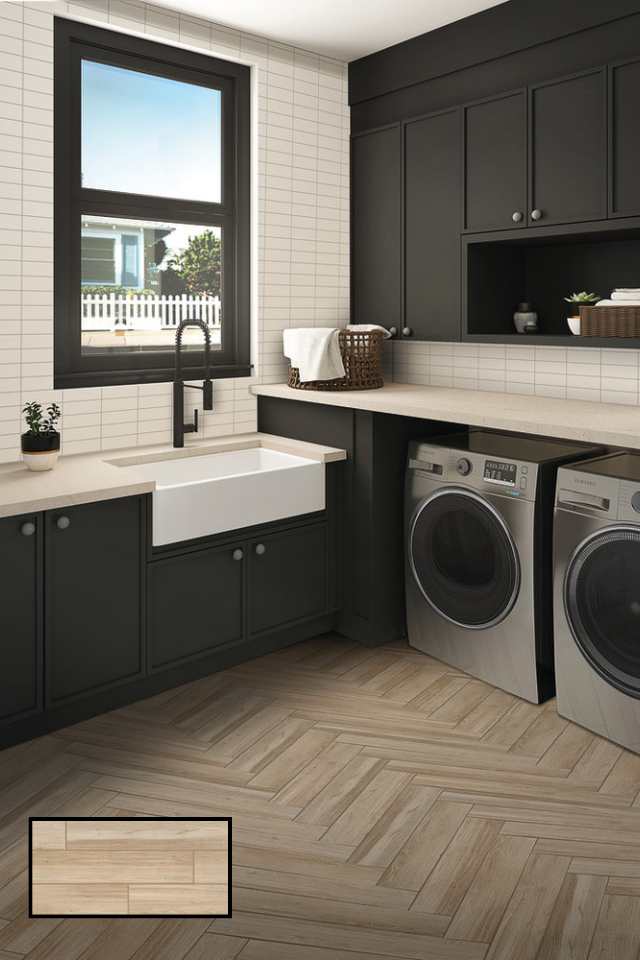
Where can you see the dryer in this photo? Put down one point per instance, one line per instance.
(478, 520)
(597, 596)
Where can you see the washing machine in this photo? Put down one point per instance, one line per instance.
(597, 596)
(479, 577)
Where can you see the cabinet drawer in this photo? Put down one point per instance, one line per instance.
(287, 577)
(195, 604)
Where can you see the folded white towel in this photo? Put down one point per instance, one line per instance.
(315, 351)
(369, 328)
(624, 294)
(618, 303)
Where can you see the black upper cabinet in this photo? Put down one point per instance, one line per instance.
(287, 577)
(20, 634)
(568, 150)
(195, 604)
(496, 163)
(624, 139)
(376, 214)
(433, 189)
(94, 591)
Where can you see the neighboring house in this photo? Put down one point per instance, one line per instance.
(120, 254)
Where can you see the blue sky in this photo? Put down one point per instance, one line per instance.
(147, 134)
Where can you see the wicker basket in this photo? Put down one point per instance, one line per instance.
(610, 321)
(362, 359)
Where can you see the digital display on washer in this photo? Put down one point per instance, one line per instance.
(496, 471)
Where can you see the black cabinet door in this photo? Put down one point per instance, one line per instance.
(375, 226)
(287, 577)
(195, 604)
(495, 134)
(568, 150)
(432, 227)
(94, 594)
(624, 140)
(20, 635)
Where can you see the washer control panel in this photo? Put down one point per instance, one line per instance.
(501, 472)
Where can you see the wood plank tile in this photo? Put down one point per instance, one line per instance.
(308, 783)
(114, 866)
(49, 835)
(167, 899)
(423, 849)
(386, 837)
(147, 835)
(292, 760)
(334, 799)
(453, 874)
(66, 898)
(618, 930)
(624, 779)
(352, 826)
(482, 908)
(573, 920)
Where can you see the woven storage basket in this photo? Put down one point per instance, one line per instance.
(610, 321)
(362, 359)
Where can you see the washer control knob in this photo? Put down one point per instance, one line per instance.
(463, 467)
(635, 501)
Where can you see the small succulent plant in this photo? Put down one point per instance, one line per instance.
(41, 422)
(583, 298)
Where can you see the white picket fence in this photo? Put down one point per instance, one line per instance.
(146, 312)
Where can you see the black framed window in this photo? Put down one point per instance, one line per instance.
(152, 208)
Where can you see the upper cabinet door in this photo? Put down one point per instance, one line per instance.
(624, 140)
(375, 223)
(496, 163)
(433, 200)
(568, 150)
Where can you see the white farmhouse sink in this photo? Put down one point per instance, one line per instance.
(197, 496)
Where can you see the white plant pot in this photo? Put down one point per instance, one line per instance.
(574, 325)
(45, 460)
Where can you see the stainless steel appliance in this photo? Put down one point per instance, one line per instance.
(479, 511)
(597, 596)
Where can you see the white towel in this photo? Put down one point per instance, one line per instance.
(369, 328)
(315, 351)
(618, 303)
(626, 294)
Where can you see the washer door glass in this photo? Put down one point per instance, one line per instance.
(463, 558)
(602, 600)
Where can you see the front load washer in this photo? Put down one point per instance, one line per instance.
(479, 512)
(597, 596)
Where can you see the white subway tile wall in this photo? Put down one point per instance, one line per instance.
(302, 215)
(571, 373)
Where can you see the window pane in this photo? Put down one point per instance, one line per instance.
(149, 135)
(141, 278)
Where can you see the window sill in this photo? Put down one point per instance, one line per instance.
(103, 378)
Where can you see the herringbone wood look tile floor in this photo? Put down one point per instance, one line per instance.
(384, 806)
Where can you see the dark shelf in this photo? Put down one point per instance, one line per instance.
(542, 340)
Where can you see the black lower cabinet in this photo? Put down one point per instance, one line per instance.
(195, 604)
(287, 577)
(20, 608)
(94, 590)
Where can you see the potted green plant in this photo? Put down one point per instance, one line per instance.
(41, 441)
(575, 301)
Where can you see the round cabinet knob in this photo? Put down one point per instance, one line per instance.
(516, 216)
(393, 331)
(238, 554)
(62, 523)
(260, 549)
(463, 467)
(407, 331)
(536, 214)
(28, 529)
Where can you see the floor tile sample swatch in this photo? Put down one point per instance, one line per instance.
(135, 867)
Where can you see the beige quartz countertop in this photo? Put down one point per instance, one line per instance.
(86, 478)
(613, 424)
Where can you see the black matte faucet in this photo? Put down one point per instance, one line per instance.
(179, 426)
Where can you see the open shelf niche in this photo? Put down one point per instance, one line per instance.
(502, 271)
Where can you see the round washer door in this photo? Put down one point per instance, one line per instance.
(602, 604)
(463, 558)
